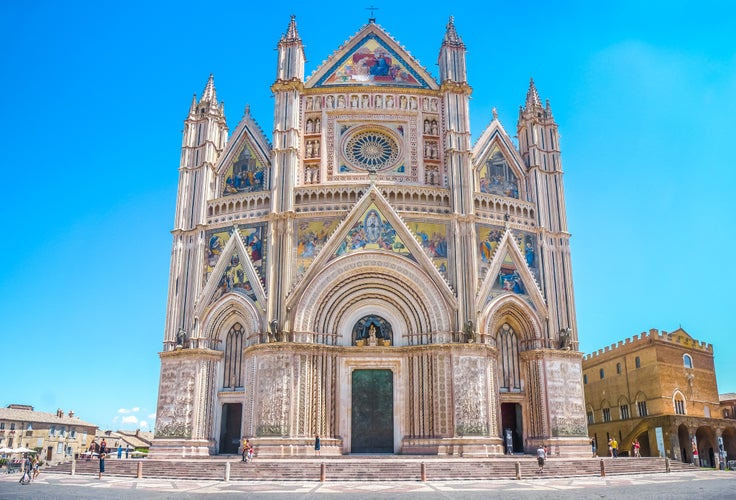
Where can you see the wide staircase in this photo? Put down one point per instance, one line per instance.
(378, 468)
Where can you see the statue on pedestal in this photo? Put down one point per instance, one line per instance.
(274, 327)
(469, 332)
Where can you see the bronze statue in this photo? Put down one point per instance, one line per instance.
(566, 339)
(181, 337)
(274, 326)
(469, 332)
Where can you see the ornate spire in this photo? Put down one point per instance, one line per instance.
(451, 36)
(209, 94)
(291, 34)
(532, 96)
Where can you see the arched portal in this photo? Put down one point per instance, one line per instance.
(706, 438)
(373, 283)
(509, 324)
(228, 327)
(729, 442)
(685, 446)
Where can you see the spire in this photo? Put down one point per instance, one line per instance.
(193, 105)
(291, 34)
(290, 55)
(209, 94)
(532, 96)
(452, 56)
(451, 36)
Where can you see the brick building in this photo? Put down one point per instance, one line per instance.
(659, 388)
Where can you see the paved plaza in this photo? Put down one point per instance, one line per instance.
(696, 484)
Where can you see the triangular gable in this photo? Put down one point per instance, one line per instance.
(682, 337)
(509, 274)
(373, 225)
(498, 166)
(373, 231)
(372, 57)
(234, 272)
(245, 164)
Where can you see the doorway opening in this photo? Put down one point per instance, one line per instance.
(511, 422)
(230, 424)
(372, 417)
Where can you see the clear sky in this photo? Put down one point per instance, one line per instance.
(94, 98)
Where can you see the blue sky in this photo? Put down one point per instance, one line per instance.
(95, 95)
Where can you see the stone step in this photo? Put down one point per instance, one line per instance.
(360, 469)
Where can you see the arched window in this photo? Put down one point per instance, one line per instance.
(233, 372)
(679, 402)
(618, 368)
(602, 373)
(510, 378)
(585, 379)
(687, 360)
(637, 362)
(641, 407)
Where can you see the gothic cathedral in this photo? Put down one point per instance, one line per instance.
(368, 275)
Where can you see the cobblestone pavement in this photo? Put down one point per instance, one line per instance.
(696, 484)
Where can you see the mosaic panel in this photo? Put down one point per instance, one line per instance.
(245, 174)
(497, 177)
(433, 238)
(373, 232)
(311, 236)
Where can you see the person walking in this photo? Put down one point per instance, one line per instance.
(593, 447)
(25, 478)
(102, 463)
(636, 448)
(614, 447)
(541, 456)
(317, 446)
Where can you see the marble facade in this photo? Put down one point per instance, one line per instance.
(367, 239)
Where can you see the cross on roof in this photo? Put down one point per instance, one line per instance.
(372, 19)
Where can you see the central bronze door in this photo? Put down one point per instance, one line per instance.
(372, 411)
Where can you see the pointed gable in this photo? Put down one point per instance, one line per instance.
(498, 167)
(372, 57)
(373, 231)
(245, 164)
(238, 267)
(510, 272)
(373, 226)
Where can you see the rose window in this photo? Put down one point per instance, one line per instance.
(371, 150)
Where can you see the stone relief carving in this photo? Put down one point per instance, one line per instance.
(565, 396)
(274, 375)
(174, 412)
(471, 416)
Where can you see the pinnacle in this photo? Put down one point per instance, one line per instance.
(451, 36)
(209, 94)
(291, 34)
(532, 96)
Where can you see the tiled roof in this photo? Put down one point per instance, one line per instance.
(728, 396)
(141, 440)
(22, 415)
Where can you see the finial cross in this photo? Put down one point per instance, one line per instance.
(373, 13)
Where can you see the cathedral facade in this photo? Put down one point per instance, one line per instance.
(368, 275)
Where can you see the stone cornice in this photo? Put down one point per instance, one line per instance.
(287, 85)
(456, 88)
(204, 354)
(357, 351)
